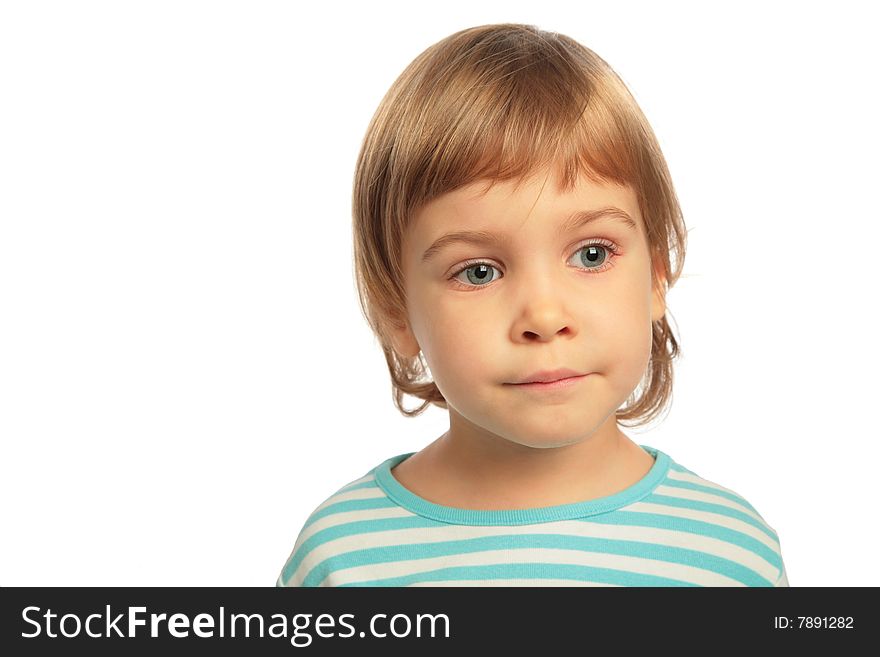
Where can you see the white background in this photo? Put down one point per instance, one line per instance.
(184, 371)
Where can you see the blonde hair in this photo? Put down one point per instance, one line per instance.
(500, 102)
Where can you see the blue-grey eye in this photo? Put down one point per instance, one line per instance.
(593, 254)
(479, 274)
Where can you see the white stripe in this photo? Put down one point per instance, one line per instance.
(706, 516)
(695, 479)
(345, 517)
(700, 496)
(345, 493)
(367, 477)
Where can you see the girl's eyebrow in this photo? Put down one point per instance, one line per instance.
(576, 220)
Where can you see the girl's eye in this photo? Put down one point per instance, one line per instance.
(595, 257)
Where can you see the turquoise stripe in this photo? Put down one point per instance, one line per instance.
(350, 505)
(350, 529)
(698, 527)
(674, 483)
(528, 571)
(720, 509)
(393, 553)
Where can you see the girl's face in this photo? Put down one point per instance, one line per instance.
(546, 292)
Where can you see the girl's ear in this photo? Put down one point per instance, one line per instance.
(402, 339)
(658, 299)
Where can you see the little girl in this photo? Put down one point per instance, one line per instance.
(515, 232)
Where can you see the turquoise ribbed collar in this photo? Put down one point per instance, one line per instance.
(453, 515)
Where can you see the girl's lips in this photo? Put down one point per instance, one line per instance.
(560, 384)
(548, 376)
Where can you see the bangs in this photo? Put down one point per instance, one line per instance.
(500, 117)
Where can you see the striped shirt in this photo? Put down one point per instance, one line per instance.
(671, 528)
